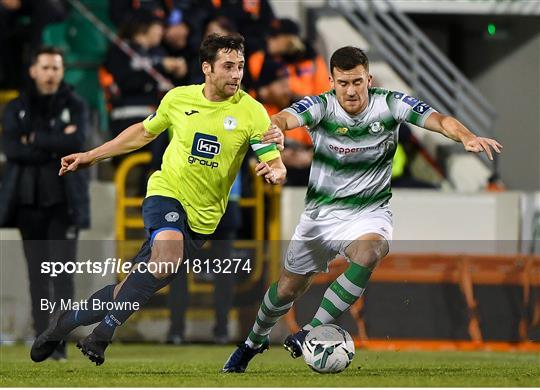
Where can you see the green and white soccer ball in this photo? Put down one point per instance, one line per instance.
(328, 349)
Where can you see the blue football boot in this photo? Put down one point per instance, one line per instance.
(293, 343)
(240, 358)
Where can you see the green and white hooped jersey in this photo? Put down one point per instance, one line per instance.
(352, 161)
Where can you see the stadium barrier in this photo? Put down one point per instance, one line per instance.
(466, 271)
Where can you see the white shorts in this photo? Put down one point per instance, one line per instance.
(316, 242)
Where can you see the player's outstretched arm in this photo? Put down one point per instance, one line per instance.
(285, 120)
(455, 130)
(281, 121)
(273, 171)
(132, 138)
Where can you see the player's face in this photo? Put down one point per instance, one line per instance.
(47, 73)
(351, 88)
(227, 73)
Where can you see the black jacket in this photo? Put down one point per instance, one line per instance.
(35, 165)
(135, 86)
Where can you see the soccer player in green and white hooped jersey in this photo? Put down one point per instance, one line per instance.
(213, 125)
(354, 130)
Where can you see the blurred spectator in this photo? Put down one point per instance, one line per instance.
(306, 74)
(171, 12)
(219, 25)
(306, 70)
(253, 18)
(274, 93)
(221, 247)
(41, 125)
(272, 87)
(407, 150)
(21, 25)
(132, 93)
(120, 11)
(215, 25)
(176, 44)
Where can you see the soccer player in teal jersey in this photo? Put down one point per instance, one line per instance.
(354, 129)
(213, 125)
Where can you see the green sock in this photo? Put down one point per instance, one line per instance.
(271, 310)
(341, 294)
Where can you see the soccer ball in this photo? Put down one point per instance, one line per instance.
(328, 349)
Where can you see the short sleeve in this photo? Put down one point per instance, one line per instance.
(405, 108)
(261, 123)
(309, 111)
(159, 121)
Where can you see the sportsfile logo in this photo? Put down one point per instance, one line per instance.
(204, 146)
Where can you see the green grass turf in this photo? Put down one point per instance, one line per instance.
(198, 365)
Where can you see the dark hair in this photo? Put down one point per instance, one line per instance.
(215, 42)
(46, 50)
(223, 22)
(137, 22)
(347, 58)
(283, 26)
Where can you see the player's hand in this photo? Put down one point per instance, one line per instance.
(74, 161)
(481, 144)
(271, 175)
(274, 135)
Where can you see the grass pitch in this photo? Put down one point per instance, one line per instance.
(198, 366)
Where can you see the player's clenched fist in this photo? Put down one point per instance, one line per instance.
(74, 161)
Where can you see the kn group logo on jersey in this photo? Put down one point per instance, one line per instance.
(204, 148)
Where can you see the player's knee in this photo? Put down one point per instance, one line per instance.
(368, 253)
(288, 291)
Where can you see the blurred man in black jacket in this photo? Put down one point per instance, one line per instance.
(44, 123)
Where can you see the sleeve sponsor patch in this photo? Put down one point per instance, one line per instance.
(304, 104)
(410, 100)
(421, 108)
